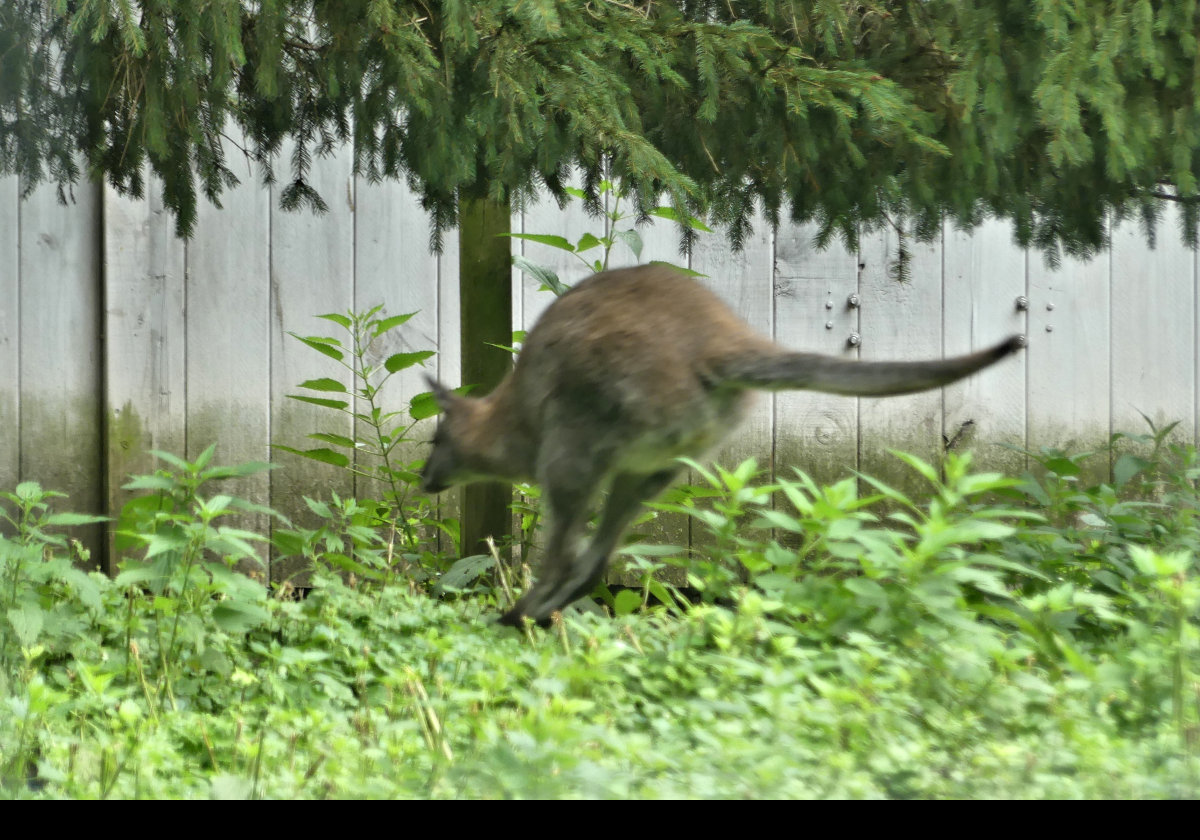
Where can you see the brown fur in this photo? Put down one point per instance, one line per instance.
(622, 375)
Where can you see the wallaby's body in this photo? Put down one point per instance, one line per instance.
(622, 375)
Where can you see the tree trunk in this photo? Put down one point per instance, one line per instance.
(485, 295)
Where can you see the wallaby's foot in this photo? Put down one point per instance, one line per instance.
(516, 618)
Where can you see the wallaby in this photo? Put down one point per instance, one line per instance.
(622, 375)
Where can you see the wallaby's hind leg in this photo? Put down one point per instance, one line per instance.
(565, 576)
(629, 491)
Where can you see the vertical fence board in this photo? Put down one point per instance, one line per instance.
(815, 432)
(899, 320)
(984, 276)
(1068, 357)
(312, 273)
(145, 337)
(59, 334)
(743, 280)
(10, 347)
(228, 341)
(1153, 329)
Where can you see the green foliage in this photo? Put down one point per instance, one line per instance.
(611, 235)
(991, 637)
(376, 451)
(1055, 114)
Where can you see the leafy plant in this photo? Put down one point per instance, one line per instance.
(606, 240)
(188, 562)
(376, 448)
(38, 575)
(867, 645)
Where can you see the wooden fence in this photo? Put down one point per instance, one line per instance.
(116, 337)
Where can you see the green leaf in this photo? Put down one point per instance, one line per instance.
(344, 562)
(336, 440)
(1126, 467)
(545, 239)
(321, 345)
(73, 519)
(238, 616)
(26, 622)
(319, 508)
(923, 467)
(547, 278)
(586, 243)
(1062, 466)
(149, 482)
(648, 550)
(288, 543)
(400, 361)
(673, 215)
(391, 323)
(28, 490)
(324, 403)
(202, 461)
(464, 572)
(137, 572)
(627, 602)
(868, 591)
(337, 318)
(423, 406)
(687, 272)
(237, 470)
(85, 589)
(174, 460)
(632, 239)
(322, 454)
(324, 384)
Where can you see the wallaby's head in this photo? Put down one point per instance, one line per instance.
(459, 455)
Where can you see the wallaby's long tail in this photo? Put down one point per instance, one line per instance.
(813, 372)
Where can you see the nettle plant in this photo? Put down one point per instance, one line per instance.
(379, 448)
(584, 248)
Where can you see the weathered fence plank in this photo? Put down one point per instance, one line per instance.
(60, 348)
(743, 280)
(1069, 352)
(312, 273)
(145, 330)
(815, 432)
(10, 345)
(229, 336)
(1153, 329)
(899, 319)
(984, 275)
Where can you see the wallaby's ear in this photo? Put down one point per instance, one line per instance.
(443, 395)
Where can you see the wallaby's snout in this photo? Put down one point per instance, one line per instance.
(436, 474)
(431, 485)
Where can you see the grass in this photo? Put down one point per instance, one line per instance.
(999, 637)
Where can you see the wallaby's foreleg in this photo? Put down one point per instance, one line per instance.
(567, 498)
